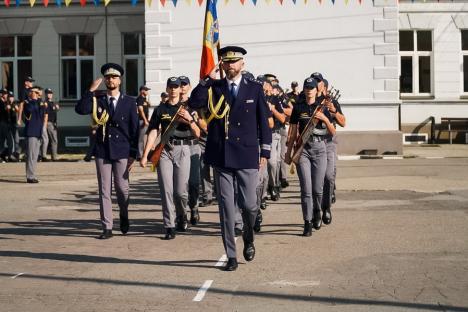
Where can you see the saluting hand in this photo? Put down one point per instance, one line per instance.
(214, 72)
(96, 83)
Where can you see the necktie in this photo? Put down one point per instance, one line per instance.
(233, 91)
(112, 107)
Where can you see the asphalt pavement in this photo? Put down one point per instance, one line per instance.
(397, 242)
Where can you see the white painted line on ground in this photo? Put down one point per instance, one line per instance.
(295, 284)
(202, 291)
(393, 157)
(435, 157)
(349, 157)
(17, 275)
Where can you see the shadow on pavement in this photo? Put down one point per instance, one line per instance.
(253, 294)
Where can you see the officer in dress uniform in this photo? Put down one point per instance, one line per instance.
(52, 109)
(116, 143)
(331, 142)
(237, 128)
(174, 164)
(313, 160)
(35, 115)
(143, 105)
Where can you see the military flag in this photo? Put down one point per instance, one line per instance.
(210, 39)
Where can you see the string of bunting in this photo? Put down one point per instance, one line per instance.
(83, 3)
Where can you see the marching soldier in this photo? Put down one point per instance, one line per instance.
(4, 126)
(23, 96)
(174, 164)
(237, 127)
(35, 115)
(143, 105)
(337, 116)
(52, 109)
(313, 159)
(13, 126)
(116, 143)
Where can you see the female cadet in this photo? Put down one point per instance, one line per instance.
(174, 164)
(313, 160)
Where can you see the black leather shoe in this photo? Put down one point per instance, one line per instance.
(258, 222)
(182, 223)
(327, 216)
(106, 234)
(170, 234)
(124, 225)
(194, 217)
(205, 203)
(237, 232)
(32, 180)
(277, 191)
(249, 251)
(263, 204)
(307, 229)
(231, 265)
(317, 220)
(284, 183)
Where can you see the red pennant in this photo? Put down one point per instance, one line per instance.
(7, 3)
(82, 3)
(200, 2)
(281, 2)
(320, 1)
(46, 3)
(163, 2)
(242, 1)
(360, 1)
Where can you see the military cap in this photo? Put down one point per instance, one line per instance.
(34, 89)
(144, 88)
(294, 84)
(317, 76)
(29, 78)
(184, 79)
(269, 76)
(3, 91)
(261, 78)
(10, 93)
(248, 75)
(173, 81)
(232, 53)
(164, 94)
(49, 91)
(310, 83)
(112, 69)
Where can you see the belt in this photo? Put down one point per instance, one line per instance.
(316, 138)
(183, 142)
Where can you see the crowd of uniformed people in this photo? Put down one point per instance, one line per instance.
(231, 139)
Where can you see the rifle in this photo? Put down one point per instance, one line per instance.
(164, 140)
(333, 94)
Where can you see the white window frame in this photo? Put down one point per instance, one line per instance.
(78, 59)
(140, 57)
(462, 54)
(415, 54)
(15, 60)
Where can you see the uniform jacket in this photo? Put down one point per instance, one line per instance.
(33, 112)
(120, 139)
(247, 128)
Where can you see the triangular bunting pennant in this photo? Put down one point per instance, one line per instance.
(226, 1)
(67, 2)
(294, 1)
(281, 2)
(346, 2)
(134, 2)
(200, 2)
(18, 2)
(32, 2)
(7, 3)
(333, 1)
(163, 2)
(242, 1)
(82, 3)
(174, 2)
(268, 1)
(46, 3)
(305, 1)
(58, 3)
(189, 2)
(106, 2)
(254, 2)
(360, 1)
(96, 2)
(320, 1)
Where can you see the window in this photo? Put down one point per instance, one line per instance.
(15, 61)
(77, 64)
(416, 62)
(464, 47)
(134, 62)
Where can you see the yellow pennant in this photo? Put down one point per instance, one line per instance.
(32, 2)
(305, 1)
(189, 2)
(226, 1)
(346, 2)
(67, 2)
(106, 2)
(149, 2)
(268, 1)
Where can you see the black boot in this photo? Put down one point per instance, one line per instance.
(258, 222)
(170, 234)
(317, 220)
(307, 229)
(326, 216)
(194, 216)
(182, 223)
